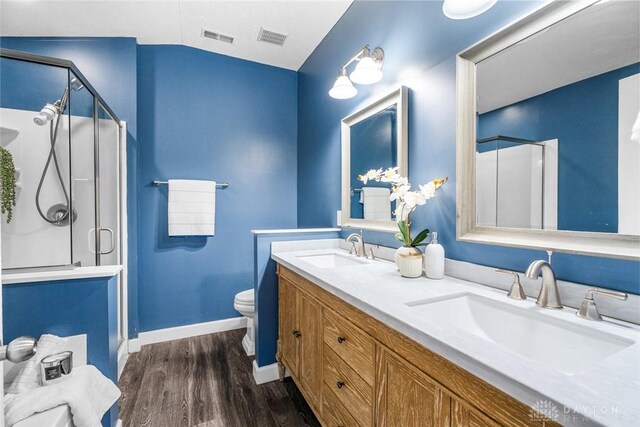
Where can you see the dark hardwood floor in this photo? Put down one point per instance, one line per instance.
(205, 381)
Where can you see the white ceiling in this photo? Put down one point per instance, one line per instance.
(180, 22)
(604, 37)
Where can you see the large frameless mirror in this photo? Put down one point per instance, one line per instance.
(546, 109)
(374, 137)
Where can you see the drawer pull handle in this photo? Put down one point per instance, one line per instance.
(297, 334)
(339, 384)
(341, 340)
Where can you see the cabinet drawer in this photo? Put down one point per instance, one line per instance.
(334, 414)
(350, 388)
(350, 343)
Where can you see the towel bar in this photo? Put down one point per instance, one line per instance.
(156, 183)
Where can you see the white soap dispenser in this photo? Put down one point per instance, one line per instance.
(434, 258)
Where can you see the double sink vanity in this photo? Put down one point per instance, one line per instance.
(545, 161)
(368, 347)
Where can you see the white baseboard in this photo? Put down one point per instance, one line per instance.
(265, 374)
(123, 356)
(248, 346)
(179, 332)
(134, 345)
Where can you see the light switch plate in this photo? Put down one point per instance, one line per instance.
(339, 218)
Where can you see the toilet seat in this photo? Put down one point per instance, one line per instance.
(245, 298)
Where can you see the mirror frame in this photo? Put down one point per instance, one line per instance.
(398, 96)
(607, 245)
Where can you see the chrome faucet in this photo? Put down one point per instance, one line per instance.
(549, 296)
(354, 249)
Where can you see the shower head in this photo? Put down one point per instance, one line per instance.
(50, 111)
(47, 114)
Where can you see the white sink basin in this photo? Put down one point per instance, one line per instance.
(560, 344)
(331, 260)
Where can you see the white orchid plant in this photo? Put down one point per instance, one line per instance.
(406, 200)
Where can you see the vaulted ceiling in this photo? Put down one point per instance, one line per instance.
(305, 23)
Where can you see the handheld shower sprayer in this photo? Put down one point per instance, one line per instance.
(50, 111)
(58, 214)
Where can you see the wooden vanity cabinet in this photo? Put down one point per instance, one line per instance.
(355, 371)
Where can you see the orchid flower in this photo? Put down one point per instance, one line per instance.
(406, 200)
(371, 175)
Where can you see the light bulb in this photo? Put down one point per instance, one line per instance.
(464, 9)
(367, 72)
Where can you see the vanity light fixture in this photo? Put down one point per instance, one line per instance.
(367, 71)
(343, 88)
(464, 9)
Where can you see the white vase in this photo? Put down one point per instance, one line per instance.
(409, 261)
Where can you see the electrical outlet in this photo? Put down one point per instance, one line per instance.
(339, 218)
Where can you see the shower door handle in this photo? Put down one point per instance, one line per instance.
(111, 237)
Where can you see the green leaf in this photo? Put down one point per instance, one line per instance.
(400, 237)
(420, 237)
(403, 230)
(7, 183)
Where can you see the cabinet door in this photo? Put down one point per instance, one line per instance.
(310, 320)
(465, 416)
(407, 397)
(289, 328)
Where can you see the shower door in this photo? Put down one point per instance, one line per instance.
(83, 171)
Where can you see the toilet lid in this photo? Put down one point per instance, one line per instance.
(245, 297)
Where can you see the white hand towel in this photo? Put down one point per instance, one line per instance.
(192, 207)
(88, 393)
(29, 375)
(377, 205)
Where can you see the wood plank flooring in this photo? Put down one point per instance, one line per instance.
(205, 381)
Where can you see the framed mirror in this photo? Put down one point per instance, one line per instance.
(373, 137)
(545, 154)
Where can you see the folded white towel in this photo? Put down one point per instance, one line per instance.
(29, 375)
(88, 393)
(377, 205)
(192, 207)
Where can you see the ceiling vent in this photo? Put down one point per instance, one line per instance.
(271, 37)
(217, 36)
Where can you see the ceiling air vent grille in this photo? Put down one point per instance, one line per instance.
(217, 36)
(271, 37)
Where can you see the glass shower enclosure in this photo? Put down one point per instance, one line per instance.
(66, 145)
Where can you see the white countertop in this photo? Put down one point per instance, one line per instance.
(607, 393)
(71, 274)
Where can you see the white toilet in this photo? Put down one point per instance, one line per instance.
(244, 303)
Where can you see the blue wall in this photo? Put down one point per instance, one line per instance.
(65, 308)
(584, 117)
(266, 289)
(110, 65)
(209, 116)
(420, 45)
